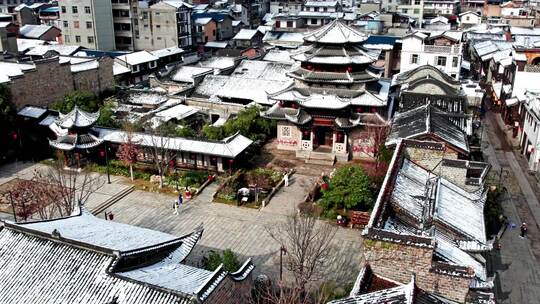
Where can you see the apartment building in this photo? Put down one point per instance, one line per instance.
(412, 8)
(442, 50)
(286, 6)
(88, 23)
(164, 24)
(8, 6)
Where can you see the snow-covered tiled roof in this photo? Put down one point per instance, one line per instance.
(426, 120)
(256, 69)
(25, 44)
(138, 57)
(218, 62)
(34, 31)
(188, 73)
(217, 44)
(202, 20)
(336, 32)
(74, 274)
(146, 98)
(77, 118)
(61, 49)
(178, 112)
(89, 229)
(245, 34)
(324, 3)
(229, 147)
(119, 69)
(31, 111)
(239, 88)
(12, 69)
(167, 51)
(276, 55)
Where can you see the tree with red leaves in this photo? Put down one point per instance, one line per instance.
(127, 153)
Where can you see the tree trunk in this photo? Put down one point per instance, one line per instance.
(131, 171)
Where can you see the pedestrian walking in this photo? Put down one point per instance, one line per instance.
(286, 179)
(175, 207)
(523, 229)
(180, 199)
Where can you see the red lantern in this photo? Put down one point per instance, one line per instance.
(171, 163)
(210, 177)
(373, 110)
(14, 135)
(359, 110)
(309, 67)
(231, 161)
(325, 186)
(339, 136)
(306, 133)
(102, 153)
(349, 69)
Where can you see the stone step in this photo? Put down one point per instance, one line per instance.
(327, 159)
(112, 200)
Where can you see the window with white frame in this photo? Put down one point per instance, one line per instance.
(414, 58)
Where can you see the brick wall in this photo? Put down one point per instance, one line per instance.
(51, 81)
(95, 81)
(399, 262)
(48, 83)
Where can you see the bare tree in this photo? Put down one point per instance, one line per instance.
(162, 154)
(52, 192)
(308, 243)
(378, 135)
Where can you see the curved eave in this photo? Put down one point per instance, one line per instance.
(61, 146)
(90, 145)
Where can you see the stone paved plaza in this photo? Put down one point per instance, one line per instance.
(243, 230)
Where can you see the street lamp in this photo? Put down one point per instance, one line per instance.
(106, 155)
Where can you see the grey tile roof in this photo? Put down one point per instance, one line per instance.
(35, 269)
(427, 120)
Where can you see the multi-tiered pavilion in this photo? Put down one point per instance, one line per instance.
(74, 135)
(336, 97)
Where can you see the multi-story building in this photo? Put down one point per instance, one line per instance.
(164, 24)
(440, 49)
(412, 8)
(440, 7)
(530, 138)
(9, 6)
(286, 6)
(88, 23)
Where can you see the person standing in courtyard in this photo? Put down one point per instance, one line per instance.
(286, 179)
(523, 229)
(175, 212)
(180, 199)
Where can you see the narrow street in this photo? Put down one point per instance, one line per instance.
(516, 264)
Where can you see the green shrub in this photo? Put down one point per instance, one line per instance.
(228, 259)
(349, 188)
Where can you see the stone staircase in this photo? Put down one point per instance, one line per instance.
(318, 158)
(112, 200)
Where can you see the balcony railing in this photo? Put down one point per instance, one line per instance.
(454, 49)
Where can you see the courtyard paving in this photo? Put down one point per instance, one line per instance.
(242, 230)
